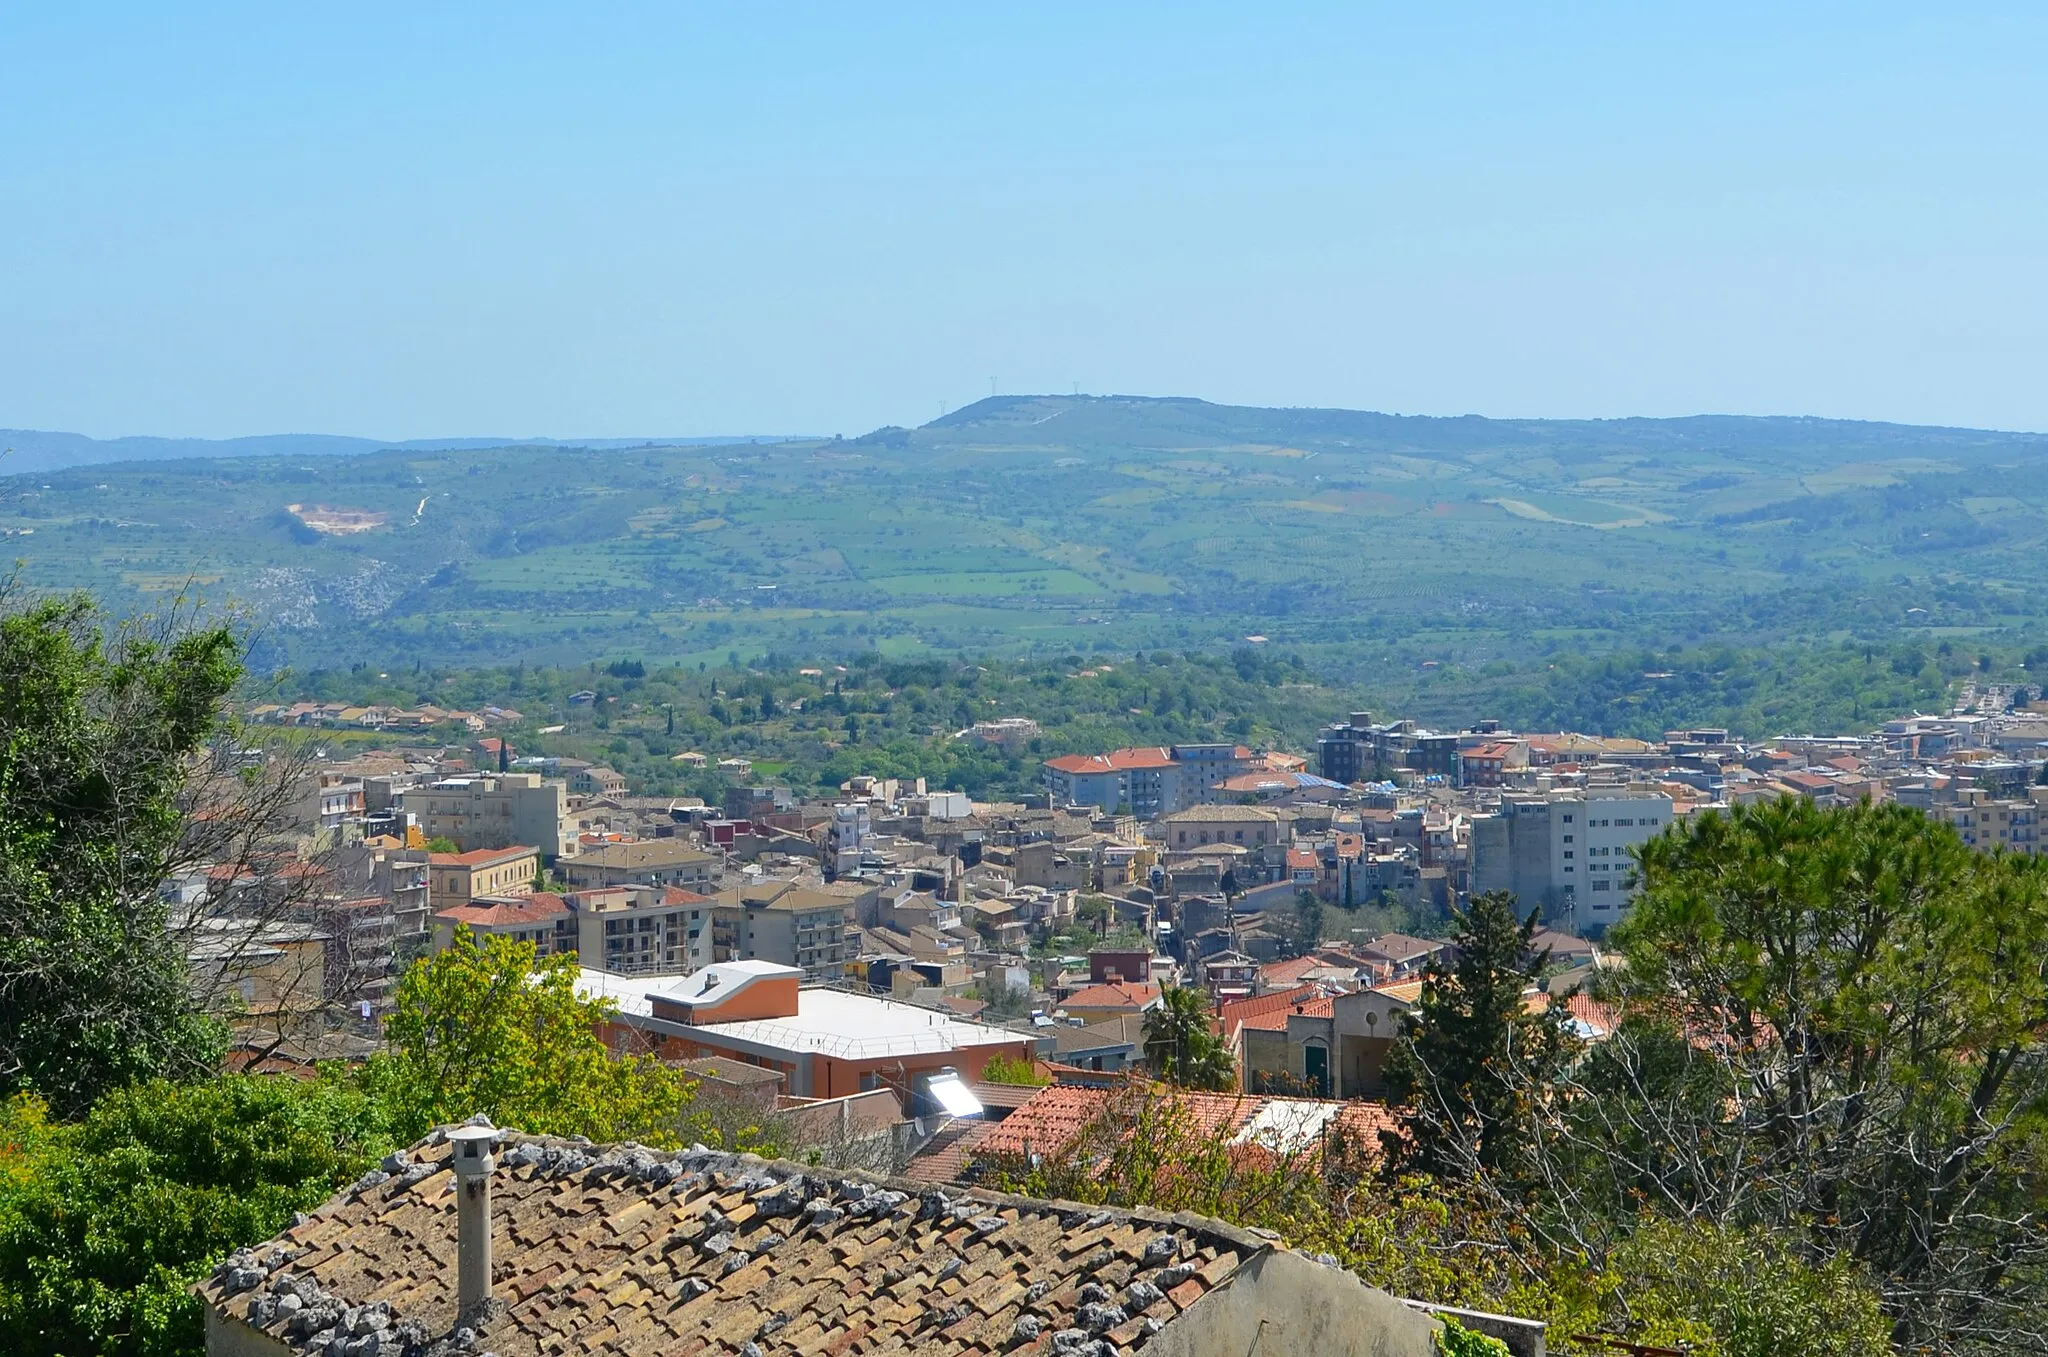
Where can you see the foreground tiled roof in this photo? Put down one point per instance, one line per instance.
(632, 1252)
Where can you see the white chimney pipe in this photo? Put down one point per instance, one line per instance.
(474, 1163)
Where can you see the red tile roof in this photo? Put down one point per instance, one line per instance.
(1275, 1020)
(1281, 974)
(1115, 761)
(502, 911)
(1054, 1121)
(1235, 1013)
(1118, 994)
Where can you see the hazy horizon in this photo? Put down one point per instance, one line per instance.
(230, 221)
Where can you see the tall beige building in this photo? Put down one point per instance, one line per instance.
(492, 810)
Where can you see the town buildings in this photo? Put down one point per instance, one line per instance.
(1144, 782)
(782, 922)
(623, 930)
(825, 1042)
(1568, 850)
(645, 862)
(493, 810)
(1362, 750)
(457, 878)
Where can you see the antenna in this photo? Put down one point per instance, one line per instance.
(991, 386)
(1077, 388)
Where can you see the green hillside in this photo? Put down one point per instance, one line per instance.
(1371, 544)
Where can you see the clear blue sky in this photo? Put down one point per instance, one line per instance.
(613, 220)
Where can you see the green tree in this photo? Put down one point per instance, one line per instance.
(494, 1029)
(441, 843)
(99, 729)
(1004, 1070)
(1746, 1293)
(1839, 1031)
(1472, 1058)
(105, 1224)
(1308, 920)
(1180, 1044)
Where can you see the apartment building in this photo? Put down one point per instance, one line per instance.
(1988, 822)
(1251, 827)
(783, 922)
(623, 930)
(643, 930)
(542, 918)
(1361, 750)
(1568, 851)
(645, 862)
(597, 780)
(457, 878)
(493, 810)
(1145, 782)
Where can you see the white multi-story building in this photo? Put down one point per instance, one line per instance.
(1568, 851)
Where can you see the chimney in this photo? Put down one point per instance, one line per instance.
(474, 1162)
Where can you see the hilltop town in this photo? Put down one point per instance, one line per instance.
(1295, 890)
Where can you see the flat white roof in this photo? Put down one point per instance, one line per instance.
(827, 1021)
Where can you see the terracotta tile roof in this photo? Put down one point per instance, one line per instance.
(1056, 1119)
(1596, 1020)
(1049, 1122)
(1207, 814)
(1115, 761)
(625, 1251)
(506, 911)
(1405, 991)
(1115, 994)
(1240, 1012)
(1290, 971)
(1398, 947)
(1005, 1097)
(943, 1158)
(1275, 1020)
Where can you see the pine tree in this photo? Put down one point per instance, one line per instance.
(1453, 1064)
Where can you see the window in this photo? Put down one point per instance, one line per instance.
(1567, 855)
(1567, 838)
(1567, 819)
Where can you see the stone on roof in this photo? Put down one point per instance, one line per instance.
(623, 1250)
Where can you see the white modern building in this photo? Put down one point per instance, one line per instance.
(1569, 851)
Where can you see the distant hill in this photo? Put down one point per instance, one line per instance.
(1158, 423)
(35, 450)
(1378, 544)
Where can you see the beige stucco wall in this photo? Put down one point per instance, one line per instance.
(1284, 1305)
(228, 1337)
